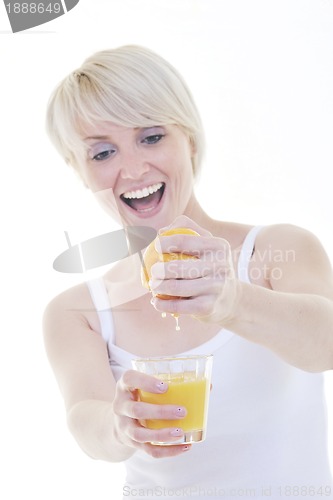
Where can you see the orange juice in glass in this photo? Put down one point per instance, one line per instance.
(188, 380)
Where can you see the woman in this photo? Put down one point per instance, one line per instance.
(260, 299)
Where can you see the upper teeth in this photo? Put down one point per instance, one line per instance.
(142, 193)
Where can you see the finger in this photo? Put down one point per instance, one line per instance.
(195, 306)
(142, 438)
(133, 379)
(205, 247)
(188, 289)
(141, 434)
(165, 451)
(188, 269)
(148, 411)
(185, 289)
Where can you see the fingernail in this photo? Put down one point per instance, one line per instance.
(176, 432)
(161, 386)
(181, 412)
(153, 284)
(158, 246)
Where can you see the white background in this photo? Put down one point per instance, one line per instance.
(262, 75)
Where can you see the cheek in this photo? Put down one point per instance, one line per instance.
(187, 170)
(98, 178)
(180, 163)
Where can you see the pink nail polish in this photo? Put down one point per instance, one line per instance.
(161, 386)
(176, 432)
(181, 412)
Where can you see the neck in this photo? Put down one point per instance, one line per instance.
(195, 212)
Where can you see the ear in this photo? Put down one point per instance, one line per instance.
(193, 146)
(193, 153)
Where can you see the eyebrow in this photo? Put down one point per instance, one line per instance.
(99, 137)
(107, 137)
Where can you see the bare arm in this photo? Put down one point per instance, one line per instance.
(102, 415)
(297, 327)
(288, 309)
(295, 317)
(79, 360)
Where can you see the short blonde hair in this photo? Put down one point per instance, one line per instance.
(129, 86)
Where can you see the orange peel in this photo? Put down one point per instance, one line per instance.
(151, 256)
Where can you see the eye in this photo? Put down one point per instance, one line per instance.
(101, 152)
(153, 139)
(103, 155)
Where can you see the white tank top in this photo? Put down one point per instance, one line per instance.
(267, 425)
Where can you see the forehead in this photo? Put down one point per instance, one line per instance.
(104, 130)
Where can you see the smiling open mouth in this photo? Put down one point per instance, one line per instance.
(146, 199)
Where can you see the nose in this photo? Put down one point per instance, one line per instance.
(133, 165)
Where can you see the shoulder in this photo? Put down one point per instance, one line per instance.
(71, 307)
(294, 258)
(288, 237)
(71, 300)
(75, 349)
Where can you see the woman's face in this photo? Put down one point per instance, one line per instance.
(144, 176)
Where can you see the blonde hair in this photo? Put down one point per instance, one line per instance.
(129, 86)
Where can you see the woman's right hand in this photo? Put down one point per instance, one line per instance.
(129, 411)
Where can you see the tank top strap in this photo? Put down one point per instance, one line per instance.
(101, 301)
(246, 254)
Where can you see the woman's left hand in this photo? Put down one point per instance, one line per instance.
(206, 286)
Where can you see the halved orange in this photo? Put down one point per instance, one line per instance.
(151, 256)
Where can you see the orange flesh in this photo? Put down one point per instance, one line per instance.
(151, 256)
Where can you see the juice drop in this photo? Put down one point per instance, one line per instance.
(176, 316)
